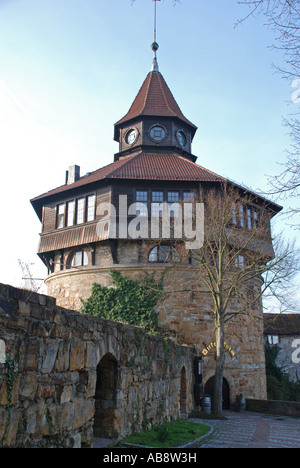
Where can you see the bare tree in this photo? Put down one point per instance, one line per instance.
(238, 264)
(283, 17)
(30, 282)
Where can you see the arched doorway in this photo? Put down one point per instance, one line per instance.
(183, 393)
(209, 390)
(106, 397)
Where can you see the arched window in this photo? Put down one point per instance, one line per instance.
(79, 258)
(163, 254)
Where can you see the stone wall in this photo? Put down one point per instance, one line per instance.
(188, 314)
(64, 375)
(280, 408)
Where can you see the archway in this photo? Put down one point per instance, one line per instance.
(183, 393)
(209, 390)
(106, 397)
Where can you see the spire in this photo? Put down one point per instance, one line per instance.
(154, 99)
(154, 45)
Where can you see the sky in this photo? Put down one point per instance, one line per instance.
(70, 69)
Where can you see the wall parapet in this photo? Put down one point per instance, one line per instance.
(276, 407)
(49, 374)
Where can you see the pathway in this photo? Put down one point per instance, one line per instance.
(253, 430)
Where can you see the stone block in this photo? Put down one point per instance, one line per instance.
(84, 412)
(46, 391)
(30, 355)
(12, 427)
(3, 392)
(63, 357)
(92, 355)
(24, 308)
(28, 386)
(68, 414)
(65, 395)
(51, 349)
(77, 355)
(7, 306)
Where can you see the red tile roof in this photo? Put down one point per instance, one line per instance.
(155, 99)
(144, 166)
(167, 167)
(282, 324)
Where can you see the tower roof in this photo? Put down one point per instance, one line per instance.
(169, 167)
(154, 99)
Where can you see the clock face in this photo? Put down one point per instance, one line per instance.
(182, 140)
(131, 136)
(158, 133)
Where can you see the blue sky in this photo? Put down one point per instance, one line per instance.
(69, 69)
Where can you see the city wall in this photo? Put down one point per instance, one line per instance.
(66, 377)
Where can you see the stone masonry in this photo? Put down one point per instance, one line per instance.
(187, 313)
(63, 374)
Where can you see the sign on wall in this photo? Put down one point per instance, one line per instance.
(213, 345)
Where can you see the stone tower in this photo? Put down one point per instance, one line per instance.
(154, 165)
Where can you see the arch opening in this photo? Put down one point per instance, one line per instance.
(105, 420)
(209, 390)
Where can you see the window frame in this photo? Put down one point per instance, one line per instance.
(67, 223)
(60, 217)
(182, 198)
(139, 203)
(245, 216)
(84, 259)
(159, 259)
(273, 339)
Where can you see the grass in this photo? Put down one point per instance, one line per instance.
(170, 434)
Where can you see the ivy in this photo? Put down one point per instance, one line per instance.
(131, 302)
(11, 373)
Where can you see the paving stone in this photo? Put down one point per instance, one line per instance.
(253, 430)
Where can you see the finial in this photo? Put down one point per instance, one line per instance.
(154, 47)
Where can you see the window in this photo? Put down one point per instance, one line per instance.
(157, 199)
(188, 197)
(240, 261)
(234, 218)
(273, 339)
(91, 202)
(163, 254)
(153, 201)
(141, 203)
(242, 220)
(173, 197)
(80, 211)
(76, 211)
(157, 133)
(79, 258)
(70, 213)
(249, 218)
(255, 219)
(60, 217)
(245, 216)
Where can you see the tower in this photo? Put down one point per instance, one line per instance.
(154, 166)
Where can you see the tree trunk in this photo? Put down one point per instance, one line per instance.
(220, 358)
